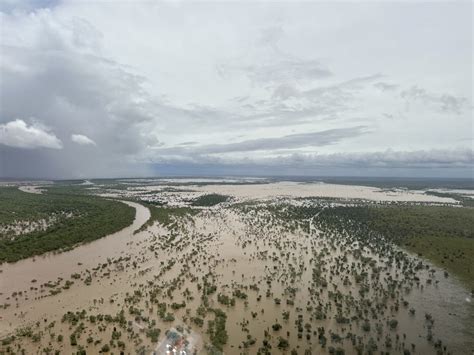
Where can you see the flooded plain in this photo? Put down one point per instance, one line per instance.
(295, 189)
(52, 266)
(246, 278)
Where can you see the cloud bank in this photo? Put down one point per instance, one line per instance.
(303, 87)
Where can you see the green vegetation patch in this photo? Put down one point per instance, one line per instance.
(210, 200)
(78, 219)
(217, 329)
(442, 234)
(401, 222)
(452, 253)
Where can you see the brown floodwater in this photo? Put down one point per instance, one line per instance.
(18, 276)
(240, 251)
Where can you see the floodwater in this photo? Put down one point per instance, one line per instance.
(445, 300)
(31, 189)
(295, 189)
(18, 276)
(284, 189)
(255, 253)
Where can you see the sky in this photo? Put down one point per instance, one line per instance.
(144, 88)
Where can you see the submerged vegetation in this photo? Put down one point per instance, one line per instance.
(62, 220)
(284, 275)
(444, 235)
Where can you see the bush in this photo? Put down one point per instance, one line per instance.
(105, 348)
(282, 343)
(276, 327)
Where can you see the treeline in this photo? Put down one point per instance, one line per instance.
(401, 222)
(464, 200)
(82, 219)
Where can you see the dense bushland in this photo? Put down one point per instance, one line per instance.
(77, 219)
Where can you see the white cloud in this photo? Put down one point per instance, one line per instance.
(82, 139)
(18, 134)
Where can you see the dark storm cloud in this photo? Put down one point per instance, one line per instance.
(60, 83)
(87, 91)
(57, 82)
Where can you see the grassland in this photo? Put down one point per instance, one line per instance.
(69, 219)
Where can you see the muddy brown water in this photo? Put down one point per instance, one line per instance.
(234, 266)
(18, 276)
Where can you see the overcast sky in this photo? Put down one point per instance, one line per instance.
(140, 88)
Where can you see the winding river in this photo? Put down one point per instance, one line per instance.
(51, 266)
